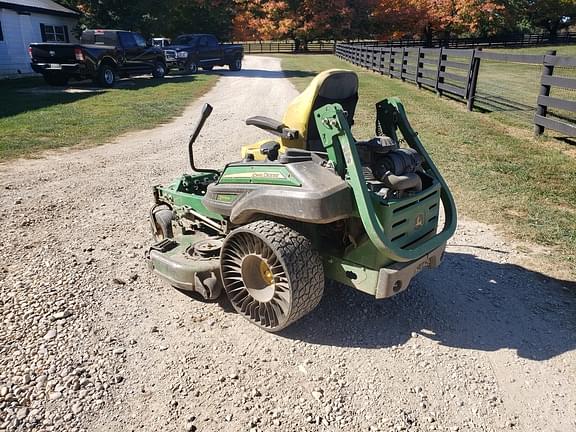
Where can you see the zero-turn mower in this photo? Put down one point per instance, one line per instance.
(310, 204)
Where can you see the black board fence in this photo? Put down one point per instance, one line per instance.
(287, 47)
(513, 40)
(454, 73)
(545, 101)
(445, 71)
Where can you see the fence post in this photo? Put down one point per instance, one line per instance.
(418, 68)
(369, 53)
(390, 61)
(473, 79)
(402, 63)
(541, 110)
(440, 67)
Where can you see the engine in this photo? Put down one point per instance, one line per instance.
(390, 171)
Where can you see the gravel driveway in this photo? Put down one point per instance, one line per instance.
(90, 341)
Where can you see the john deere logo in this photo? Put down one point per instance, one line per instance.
(419, 221)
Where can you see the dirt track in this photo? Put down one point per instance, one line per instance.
(91, 341)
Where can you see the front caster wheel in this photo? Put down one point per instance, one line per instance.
(271, 274)
(161, 222)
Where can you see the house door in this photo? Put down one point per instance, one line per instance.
(20, 46)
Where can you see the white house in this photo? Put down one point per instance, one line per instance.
(25, 21)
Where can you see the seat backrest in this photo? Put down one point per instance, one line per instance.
(331, 86)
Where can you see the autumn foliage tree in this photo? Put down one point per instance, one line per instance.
(302, 20)
(306, 20)
(427, 18)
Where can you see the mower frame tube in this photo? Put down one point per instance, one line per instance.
(340, 144)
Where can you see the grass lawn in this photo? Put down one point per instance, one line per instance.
(520, 83)
(564, 50)
(36, 117)
(499, 174)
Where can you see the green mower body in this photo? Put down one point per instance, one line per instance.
(269, 232)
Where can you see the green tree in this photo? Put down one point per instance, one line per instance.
(158, 17)
(200, 16)
(552, 15)
(146, 16)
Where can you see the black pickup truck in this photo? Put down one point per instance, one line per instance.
(102, 55)
(192, 51)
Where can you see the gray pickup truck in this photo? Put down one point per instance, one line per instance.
(192, 51)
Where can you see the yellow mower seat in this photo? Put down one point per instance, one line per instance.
(331, 86)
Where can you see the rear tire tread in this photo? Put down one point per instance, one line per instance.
(302, 263)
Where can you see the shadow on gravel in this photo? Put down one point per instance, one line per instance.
(466, 303)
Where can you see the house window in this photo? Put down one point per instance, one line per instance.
(54, 33)
(1, 34)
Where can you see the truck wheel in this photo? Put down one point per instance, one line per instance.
(192, 67)
(159, 70)
(106, 75)
(56, 79)
(271, 274)
(236, 65)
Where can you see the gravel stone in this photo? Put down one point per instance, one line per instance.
(54, 395)
(22, 413)
(50, 335)
(61, 315)
(317, 395)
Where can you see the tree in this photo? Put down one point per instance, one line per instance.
(146, 16)
(552, 15)
(301, 20)
(307, 20)
(200, 16)
(263, 20)
(427, 18)
(159, 17)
